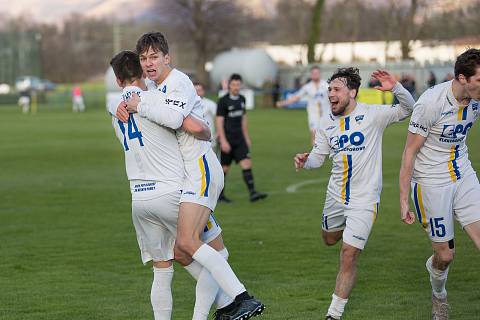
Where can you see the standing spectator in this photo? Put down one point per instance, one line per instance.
(432, 80)
(77, 100)
(24, 101)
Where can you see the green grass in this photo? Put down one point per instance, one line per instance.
(68, 247)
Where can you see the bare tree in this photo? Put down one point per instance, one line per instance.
(209, 25)
(314, 30)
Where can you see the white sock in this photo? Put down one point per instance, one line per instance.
(438, 279)
(222, 299)
(194, 269)
(161, 294)
(220, 270)
(337, 306)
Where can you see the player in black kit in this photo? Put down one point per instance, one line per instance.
(233, 136)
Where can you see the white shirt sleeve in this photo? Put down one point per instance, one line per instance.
(152, 108)
(319, 151)
(181, 98)
(400, 111)
(423, 118)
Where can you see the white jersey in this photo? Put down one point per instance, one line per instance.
(178, 93)
(443, 159)
(354, 144)
(152, 157)
(210, 112)
(318, 104)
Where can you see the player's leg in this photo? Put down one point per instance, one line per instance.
(225, 160)
(333, 221)
(358, 225)
(241, 154)
(434, 206)
(161, 292)
(467, 207)
(473, 231)
(151, 219)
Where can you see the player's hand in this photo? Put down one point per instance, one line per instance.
(299, 160)
(407, 216)
(122, 113)
(387, 81)
(133, 102)
(225, 147)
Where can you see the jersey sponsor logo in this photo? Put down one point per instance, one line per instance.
(190, 193)
(355, 139)
(359, 118)
(235, 114)
(231, 108)
(451, 131)
(144, 187)
(418, 125)
(176, 103)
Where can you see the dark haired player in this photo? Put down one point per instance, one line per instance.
(352, 137)
(435, 164)
(233, 136)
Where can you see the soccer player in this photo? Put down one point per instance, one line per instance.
(316, 93)
(204, 178)
(156, 173)
(435, 164)
(233, 135)
(352, 137)
(210, 111)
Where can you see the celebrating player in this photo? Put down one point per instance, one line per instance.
(317, 100)
(204, 176)
(352, 137)
(435, 164)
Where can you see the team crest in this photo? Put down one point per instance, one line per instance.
(475, 106)
(359, 118)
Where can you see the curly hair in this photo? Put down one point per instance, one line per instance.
(351, 76)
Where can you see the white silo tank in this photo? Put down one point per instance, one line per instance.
(114, 92)
(254, 65)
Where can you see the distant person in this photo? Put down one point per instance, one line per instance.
(316, 93)
(432, 80)
(373, 82)
(209, 111)
(276, 90)
(77, 100)
(233, 136)
(448, 77)
(24, 101)
(408, 82)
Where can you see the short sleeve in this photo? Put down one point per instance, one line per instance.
(423, 119)
(221, 108)
(181, 98)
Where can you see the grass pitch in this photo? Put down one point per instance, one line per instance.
(68, 247)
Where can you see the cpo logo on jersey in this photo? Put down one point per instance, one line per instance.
(450, 131)
(355, 139)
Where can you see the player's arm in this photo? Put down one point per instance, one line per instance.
(406, 101)
(412, 147)
(197, 128)
(245, 130)
(286, 102)
(222, 138)
(317, 155)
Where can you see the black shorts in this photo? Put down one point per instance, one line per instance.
(238, 152)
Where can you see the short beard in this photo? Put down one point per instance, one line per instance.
(342, 110)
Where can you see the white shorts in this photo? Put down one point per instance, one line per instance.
(356, 223)
(204, 181)
(436, 207)
(155, 222)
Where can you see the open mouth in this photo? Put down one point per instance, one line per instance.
(151, 72)
(333, 103)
